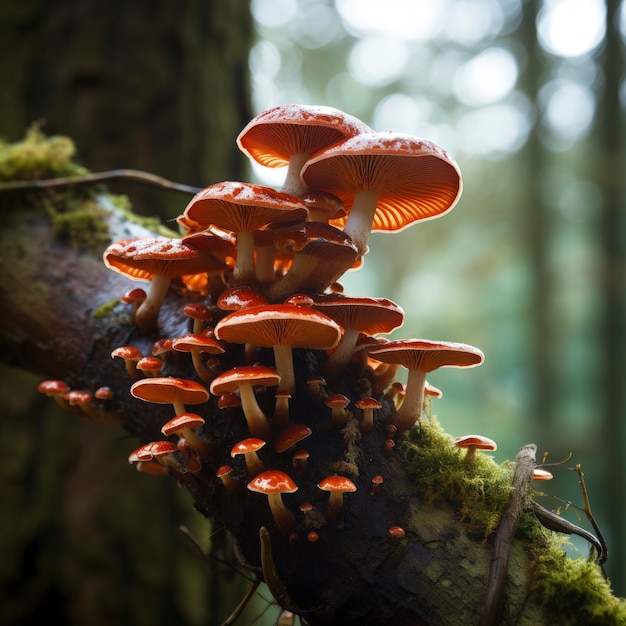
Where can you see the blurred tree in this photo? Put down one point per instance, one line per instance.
(161, 87)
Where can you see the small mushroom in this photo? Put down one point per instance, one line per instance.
(170, 390)
(336, 486)
(273, 483)
(368, 406)
(184, 425)
(249, 448)
(471, 443)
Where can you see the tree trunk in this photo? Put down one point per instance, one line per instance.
(463, 557)
(155, 86)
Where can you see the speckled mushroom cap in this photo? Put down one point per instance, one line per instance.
(274, 135)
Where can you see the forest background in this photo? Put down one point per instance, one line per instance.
(528, 97)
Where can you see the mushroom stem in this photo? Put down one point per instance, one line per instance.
(282, 517)
(335, 505)
(409, 412)
(339, 359)
(258, 424)
(244, 270)
(293, 184)
(283, 358)
(359, 223)
(147, 313)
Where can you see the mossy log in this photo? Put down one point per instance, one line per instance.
(61, 317)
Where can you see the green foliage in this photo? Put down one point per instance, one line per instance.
(575, 589)
(478, 487)
(38, 156)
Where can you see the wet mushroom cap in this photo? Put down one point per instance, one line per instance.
(231, 380)
(168, 389)
(272, 481)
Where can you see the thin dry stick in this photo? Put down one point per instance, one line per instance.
(603, 550)
(520, 489)
(95, 177)
(234, 616)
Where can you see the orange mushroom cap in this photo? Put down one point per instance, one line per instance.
(386, 181)
(170, 390)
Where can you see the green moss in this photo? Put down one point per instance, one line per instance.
(38, 156)
(575, 589)
(479, 488)
(106, 309)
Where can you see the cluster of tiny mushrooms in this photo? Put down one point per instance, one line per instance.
(261, 267)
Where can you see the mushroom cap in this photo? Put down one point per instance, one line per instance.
(279, 324)
(236, 298)
(149, 364)
(542, 474)
(337, 401)
(316, 239)
(52, 387)
(367, 315)
(276, 134)
(337, 483)
(143, 258)
(127, 352)
(290, 436)
(272, 481)
(197, 341)
(168, 389)
(414, 178)
(150, 450)
(181, 421)
(229, 381)
(426, 356)
(238, 206)
(251, 444)
(368, 403)
(479, 442)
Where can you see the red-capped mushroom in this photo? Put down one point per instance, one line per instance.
(336, 486)
(386, 181)
(198, 344)
(244, 379)
(201, 315)
(170, 390)
(224, 473)
(471, 443)
(184, 425)
(356, 315)
(158, 260)
(281, 327)
(249, 448)
(368, 405)
(163, 452)
(150, 365)
(289, 134)
(273, 483)
(337, 403)
(130, 355)
(55, 389)
(242, 208)
(291, 436)
(421, 356)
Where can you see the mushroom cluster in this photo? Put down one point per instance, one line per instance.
(290, 378)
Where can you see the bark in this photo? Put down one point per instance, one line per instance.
(60, 317)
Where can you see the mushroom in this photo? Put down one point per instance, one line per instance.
(337, 403)
(249, 449)
(184, 426)
(244, 379)
(291, 436)
(158, 260)
(421, 356)
(356, 315)
(386, 181)
(242, 208)
(471, 443)
(224, 473)
(321, 253)
(130, 355)
(336, 486)
(368, 405)
(273, 483)
(290, 133)
(55, 389)
(197, 344)
(161, 451)
(149, 365)
(281, 327)
(170, 390)
(200, 314)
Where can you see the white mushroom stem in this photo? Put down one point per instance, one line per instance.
(244, 270)
(283, 358)
(339, 359)
(358, 226)
(201, 369)
(179, 408)
(282, 517)
(293, 184)
(411, 409)
(258, 424)
(147, 313)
